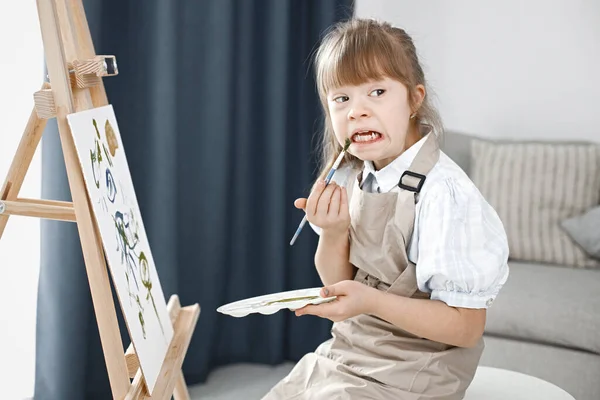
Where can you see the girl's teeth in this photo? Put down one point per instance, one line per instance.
(366, 137)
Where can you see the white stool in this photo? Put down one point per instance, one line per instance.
(501, 384)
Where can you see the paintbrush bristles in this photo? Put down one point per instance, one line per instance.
(347, 144)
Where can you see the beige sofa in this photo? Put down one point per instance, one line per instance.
(546, 320)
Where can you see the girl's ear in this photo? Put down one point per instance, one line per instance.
(418, 96)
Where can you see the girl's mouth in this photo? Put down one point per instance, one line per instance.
(366, 137)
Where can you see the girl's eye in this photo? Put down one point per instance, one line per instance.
(340, 99)
(378, 91)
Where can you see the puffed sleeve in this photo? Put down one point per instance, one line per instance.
(462, 249)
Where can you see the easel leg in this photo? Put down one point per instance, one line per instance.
(22, 160)
(56, 30)
(181, 390)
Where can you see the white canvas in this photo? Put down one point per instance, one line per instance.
(110, 189)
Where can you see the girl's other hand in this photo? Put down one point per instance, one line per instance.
(327, 208)
(353, 298)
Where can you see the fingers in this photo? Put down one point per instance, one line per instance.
(309, 309)
(344, 208)
(325, 200)
(313, 199)
(320, 310)
(332, 310)
(340, 288)
(336, 199)
(327, 206)
(300, 203)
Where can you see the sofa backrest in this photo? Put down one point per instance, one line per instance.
(458, 147)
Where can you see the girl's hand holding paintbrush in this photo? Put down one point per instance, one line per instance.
(327, 205)
(327, 208)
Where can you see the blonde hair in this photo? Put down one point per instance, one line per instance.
(360, 50)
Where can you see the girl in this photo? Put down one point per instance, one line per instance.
(407, 243)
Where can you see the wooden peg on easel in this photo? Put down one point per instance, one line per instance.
(44, 102)
(88, 73)
(83, 74)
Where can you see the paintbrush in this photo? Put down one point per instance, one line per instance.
(328, 178)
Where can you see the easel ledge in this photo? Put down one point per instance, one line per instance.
(171, 376)
(75, 74)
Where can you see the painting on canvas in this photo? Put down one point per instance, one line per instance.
(115, 207)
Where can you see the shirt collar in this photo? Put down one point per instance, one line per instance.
(389, 176)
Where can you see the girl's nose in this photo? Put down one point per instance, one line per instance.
(357, 113)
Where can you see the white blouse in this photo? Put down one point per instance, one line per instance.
(463, 257)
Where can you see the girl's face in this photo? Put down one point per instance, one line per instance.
(376, 117)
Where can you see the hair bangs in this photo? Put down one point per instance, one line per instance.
(356, 58)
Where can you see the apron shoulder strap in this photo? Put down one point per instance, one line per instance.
(413, 178)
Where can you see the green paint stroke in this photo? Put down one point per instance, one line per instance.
(93, 160)
(292, 299)
(96, 126)
(147, 282)
(140, 313)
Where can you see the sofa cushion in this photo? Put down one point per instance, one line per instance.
(534, 186)
(549, 304)
(583, 229)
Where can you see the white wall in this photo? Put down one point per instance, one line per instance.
(21, 74)
(511, 68)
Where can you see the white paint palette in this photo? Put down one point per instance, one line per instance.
(271, 303)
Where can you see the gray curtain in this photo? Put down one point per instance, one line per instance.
(218, 113)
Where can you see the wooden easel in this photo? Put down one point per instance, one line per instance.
(75, 74)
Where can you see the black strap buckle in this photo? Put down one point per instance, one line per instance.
(413, 174)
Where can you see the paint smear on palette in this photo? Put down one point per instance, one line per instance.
(111, 192)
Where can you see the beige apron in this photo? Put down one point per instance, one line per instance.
(367, 357)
